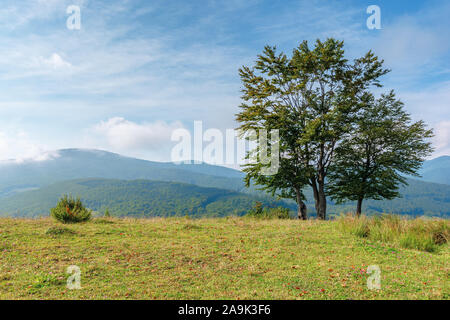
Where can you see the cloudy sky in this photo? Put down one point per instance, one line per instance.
(137, 70)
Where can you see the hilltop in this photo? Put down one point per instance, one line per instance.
(436, 170)
(69, 164)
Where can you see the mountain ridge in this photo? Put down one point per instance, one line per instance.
(78, 164)
(16, 178)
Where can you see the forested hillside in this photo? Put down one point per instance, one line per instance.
(418, 198)
(136, 198)
(144, 198)
(71, 164)
(26, 188)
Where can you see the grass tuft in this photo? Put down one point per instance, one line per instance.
(420, 234)
(56, 231)
(102, 221)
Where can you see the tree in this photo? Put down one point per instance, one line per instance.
(70, 210)
(311, 99)
(383, 145)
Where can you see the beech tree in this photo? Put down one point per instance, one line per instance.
(311, 98)
(383, 145)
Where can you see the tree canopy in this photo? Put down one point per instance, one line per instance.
(383, 145)
(315, 99)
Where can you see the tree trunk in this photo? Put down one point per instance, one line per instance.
(301, 207)
(320, 199)
(322, 202)
(358, 207)
(316, 196)
(302, 211)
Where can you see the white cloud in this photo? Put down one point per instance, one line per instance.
(406, 43)
(19, 147)
(123, 135)
(430, 104)
(119, 65)
(442, 138)
(56, 62)
(415, 45)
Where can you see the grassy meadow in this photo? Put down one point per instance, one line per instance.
(224, 258)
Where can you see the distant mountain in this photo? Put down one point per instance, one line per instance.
(436, 170)
(23, 185)
(70, 164)
(135, 198)
(418, 198)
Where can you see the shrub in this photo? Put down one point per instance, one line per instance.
(107, 214)
(257, 210)
(70, 210)
(268, 213)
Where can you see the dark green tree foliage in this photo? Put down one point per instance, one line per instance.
(151, 198)
(312, 99)
(383, 145)
(70, 210)
(140, 198)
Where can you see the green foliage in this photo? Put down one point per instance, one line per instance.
(258, 211)
(107, 214)
(311, 98)
(383, 146)
(421, 234)
(141, 199)
(70, 210)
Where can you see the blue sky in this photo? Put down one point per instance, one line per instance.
(136, 70)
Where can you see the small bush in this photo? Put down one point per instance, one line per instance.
(55, 231)
(257, 210)
(268, 213)
(70, 210)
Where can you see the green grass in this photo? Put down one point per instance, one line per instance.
(424, 234)
(228, 258)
